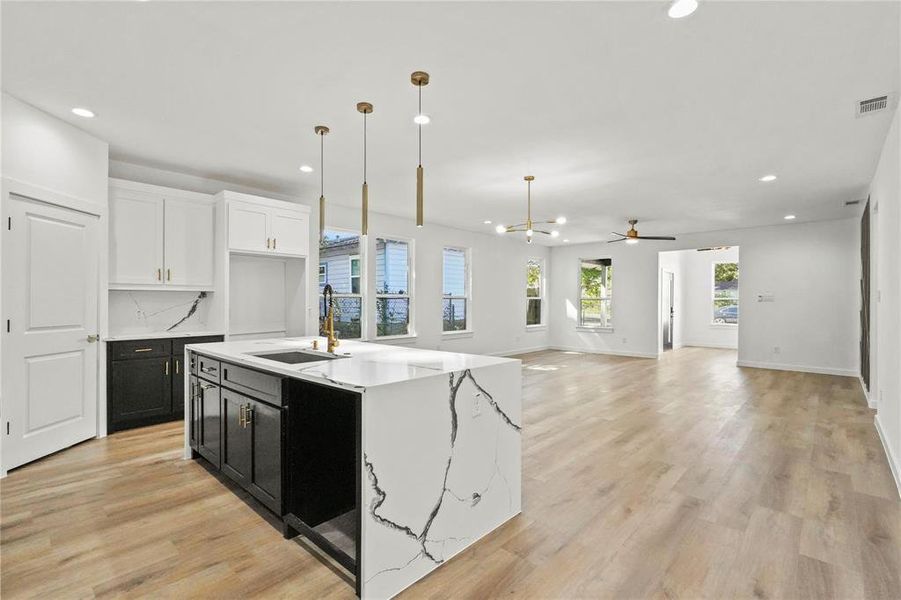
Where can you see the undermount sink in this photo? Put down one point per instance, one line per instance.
(293, 357)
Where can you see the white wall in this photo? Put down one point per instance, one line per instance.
(498, 276)
(885, 337)
(811, 268)
(697, 315)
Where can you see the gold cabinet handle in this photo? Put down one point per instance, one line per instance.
(274, 242)
(268, 242)
(248, 416)
(143, 349)
(168, 274)
(241, 416)
(167, 367)
(159, 274)
(176, 366)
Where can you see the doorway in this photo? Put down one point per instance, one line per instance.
(50, 300)
(668, 308)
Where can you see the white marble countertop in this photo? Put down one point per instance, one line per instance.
(363, 365)
(154, 335)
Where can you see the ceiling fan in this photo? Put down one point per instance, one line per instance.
(632, 237)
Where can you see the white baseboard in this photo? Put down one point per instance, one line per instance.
(799, 368)
(628, 353)
(893, 462)
(519, 351)
(710, 345)
(871, 402)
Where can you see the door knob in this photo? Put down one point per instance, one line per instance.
(93, 338)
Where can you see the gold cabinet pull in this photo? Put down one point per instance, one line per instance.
(268, 242)
(274, 242)
(176, 366)
(241, 416)
(168, 274)
(167, 367)
(143, 349)
(248, 416)
(159, 274)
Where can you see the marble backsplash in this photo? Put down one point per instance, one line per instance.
(151, 311)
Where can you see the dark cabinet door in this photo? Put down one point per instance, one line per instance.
(266, 424)
(210, 426)
(194, 405)
(141, 389)
(237, 451)
(178, 387)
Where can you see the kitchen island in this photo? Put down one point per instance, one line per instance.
(390, 459)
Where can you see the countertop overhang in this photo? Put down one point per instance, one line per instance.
(362, 364)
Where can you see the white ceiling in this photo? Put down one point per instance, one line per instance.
(616, 109)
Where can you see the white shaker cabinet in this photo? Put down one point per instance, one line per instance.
(262, 225)
(160, 237)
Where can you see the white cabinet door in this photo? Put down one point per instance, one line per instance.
(248, 227)
(189, 243)
(136, 238)
(290, 232)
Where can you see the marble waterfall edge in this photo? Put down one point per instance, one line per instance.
(442, 468)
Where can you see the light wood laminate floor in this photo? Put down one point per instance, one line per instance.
(685, 477)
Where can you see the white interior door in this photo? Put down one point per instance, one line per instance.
(248, 227)
(290, 232)
(189, 243)
(50, 279)
(136, 238)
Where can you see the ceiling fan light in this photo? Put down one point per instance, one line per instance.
(631, 241)
(555, 233)
(529, 232)
(500, 229)
(560, 220)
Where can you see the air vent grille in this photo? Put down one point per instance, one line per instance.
(873, 105)
(852, 202)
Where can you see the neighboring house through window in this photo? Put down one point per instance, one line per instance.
(596, 293)
(534, 292)
(393, 295)
(456, 289)
(725, 293)
(339, 266)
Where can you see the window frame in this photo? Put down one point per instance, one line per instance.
(467, 290)
(713, 297)
(411, 284)
(364, 321)
(323, 273)
(542, 294)
(605, 328)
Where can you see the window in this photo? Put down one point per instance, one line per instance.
(456, 290)
(725, 293)
(393, 300)
(595, 293)
(534, 293)
(339, 266)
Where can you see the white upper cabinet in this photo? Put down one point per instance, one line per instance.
(160, 237)
(136, 238)
(261, 225)
(189, 243)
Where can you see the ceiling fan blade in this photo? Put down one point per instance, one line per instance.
(622, 239)
(655, 237)
(619, 234)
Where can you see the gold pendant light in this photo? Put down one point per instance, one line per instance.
(528, 226)
(419, 79)
(321, 131)
(366, 109)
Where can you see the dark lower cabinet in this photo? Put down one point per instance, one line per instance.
(145, 381)
(252, 447)
(141, 391)
(209, 411)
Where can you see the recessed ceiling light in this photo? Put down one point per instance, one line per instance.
(487, 221)
(422, 119)
(555, 233)
(500, 229)
(560, 220)
(767, 178)
(306, 168)
(682, 8)
(565, 240)
(83, 112)
(789, 217)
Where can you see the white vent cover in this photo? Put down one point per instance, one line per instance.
(873, 105)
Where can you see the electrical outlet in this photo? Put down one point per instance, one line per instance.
(477, 404)
(624, 340)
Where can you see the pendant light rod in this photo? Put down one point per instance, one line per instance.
(321, 131)
(419, 79)
(365, 108)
